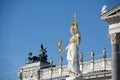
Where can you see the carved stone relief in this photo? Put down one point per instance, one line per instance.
(115, 38)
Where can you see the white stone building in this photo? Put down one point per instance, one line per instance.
(97, 70)
(91, 70)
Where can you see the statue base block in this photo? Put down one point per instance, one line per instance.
(74, 78)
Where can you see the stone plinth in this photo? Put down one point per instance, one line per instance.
(74, 78)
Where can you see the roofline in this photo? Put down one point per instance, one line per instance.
(110, 10)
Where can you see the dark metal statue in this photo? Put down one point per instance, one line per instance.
(32, 58)
(41, 57)
(43, 54)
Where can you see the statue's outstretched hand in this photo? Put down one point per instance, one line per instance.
(60, 50)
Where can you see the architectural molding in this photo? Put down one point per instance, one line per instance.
(115, 38)
(111, 13)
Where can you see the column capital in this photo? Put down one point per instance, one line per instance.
(115, 38)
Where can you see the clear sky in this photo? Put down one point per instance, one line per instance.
(25, 24)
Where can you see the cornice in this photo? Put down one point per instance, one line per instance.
(111, 13)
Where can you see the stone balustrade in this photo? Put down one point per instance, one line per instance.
(100, 67)
(91, 69)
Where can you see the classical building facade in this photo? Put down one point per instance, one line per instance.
(92, 70)
(103, 69)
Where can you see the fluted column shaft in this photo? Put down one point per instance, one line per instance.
(115, 41)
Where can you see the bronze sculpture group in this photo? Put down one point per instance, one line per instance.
(42, 57)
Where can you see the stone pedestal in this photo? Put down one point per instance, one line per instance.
(74, 78)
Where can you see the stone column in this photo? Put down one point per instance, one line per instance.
(81, 63)
(51, 64)
(20, 75)
(38, 74)
(61, 64)
(92, 60)
(115, 41)
(104, 58)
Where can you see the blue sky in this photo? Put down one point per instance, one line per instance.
(25, 24)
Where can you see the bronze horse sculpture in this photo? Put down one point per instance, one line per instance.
(41, 57)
